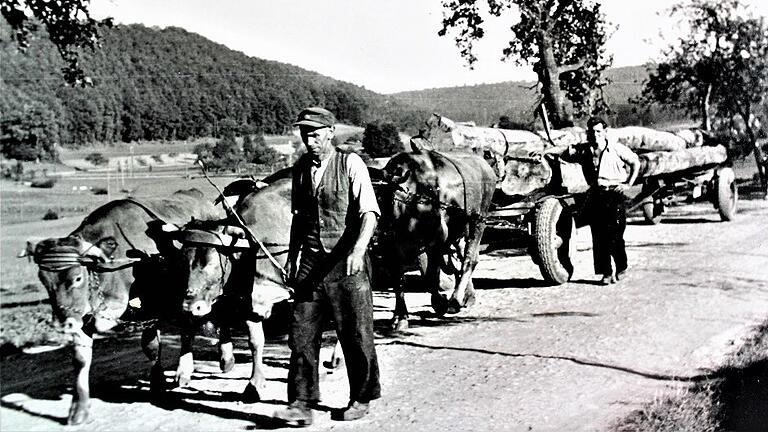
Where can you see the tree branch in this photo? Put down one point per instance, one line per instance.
(560, 8)
(570, 67)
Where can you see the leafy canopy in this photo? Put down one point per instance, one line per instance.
(563, 40)
(381, 140)
(718, 71)
(69, 26)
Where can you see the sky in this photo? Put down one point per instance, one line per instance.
(384, 45)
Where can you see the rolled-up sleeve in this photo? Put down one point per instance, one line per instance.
(360, 185)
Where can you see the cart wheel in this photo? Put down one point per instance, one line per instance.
(652, 212)
(727, 194)
(553, 233)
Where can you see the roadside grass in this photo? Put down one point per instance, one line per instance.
(734, 398)
(686, 409)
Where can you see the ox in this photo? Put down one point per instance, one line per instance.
(229, 277)
(117, 254)
(433, 208)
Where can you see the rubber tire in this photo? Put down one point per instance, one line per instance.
(552, 220)
(650, 213)
(727, 194)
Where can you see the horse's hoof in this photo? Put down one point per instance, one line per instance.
(250, 394)
(183, 380)
(469, 299)
(453, 307)
(157, 383)
(227, 364)
(399, 325)
(439, 304)
(78, 413)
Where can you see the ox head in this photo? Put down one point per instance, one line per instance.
(208, 254)
(409, 195)
(220, 260)
(65, 269)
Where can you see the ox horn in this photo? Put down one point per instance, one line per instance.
(169, 227)
(28, 251)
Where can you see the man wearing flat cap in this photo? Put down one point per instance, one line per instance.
(334, 216)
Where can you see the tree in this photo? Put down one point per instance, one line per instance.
(257, 151)
(248, 147)
(564, 41)
(28, 133)
(381, 140)
(69, 26)
(718, 71)
(226, 154)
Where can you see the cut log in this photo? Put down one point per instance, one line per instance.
(655, 163)
(642, 139)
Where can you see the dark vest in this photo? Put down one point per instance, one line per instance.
(329, 210)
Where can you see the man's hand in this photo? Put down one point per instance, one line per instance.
(621, 187)
(355, 262)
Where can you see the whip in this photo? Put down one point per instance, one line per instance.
(249, 234)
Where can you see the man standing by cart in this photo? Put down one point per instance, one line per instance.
(334, 216)
(610, 169)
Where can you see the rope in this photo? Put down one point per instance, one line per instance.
(65, 257)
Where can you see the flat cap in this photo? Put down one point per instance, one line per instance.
(315, 117)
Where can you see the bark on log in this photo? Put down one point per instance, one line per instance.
(656, 163)
(642, 139)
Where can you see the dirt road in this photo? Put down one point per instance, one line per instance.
(524, 357)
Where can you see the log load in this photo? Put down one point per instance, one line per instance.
(515, 154)
(447, 135)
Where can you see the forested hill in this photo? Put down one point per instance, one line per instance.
(151, 83)
(485, 103)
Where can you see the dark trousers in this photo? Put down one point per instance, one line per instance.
(350, 301)
(608, 221)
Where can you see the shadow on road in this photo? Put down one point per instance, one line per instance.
(656, 245)
(485, 283)
(687, 220)
(584, 362)
(21, 408)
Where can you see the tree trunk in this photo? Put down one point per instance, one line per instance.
(549, 76)
(761, 163)
(706, 122)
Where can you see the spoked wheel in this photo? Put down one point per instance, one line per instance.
(727, 194)
(554, 238)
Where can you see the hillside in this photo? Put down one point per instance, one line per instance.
(164, 84)
(485, 103)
